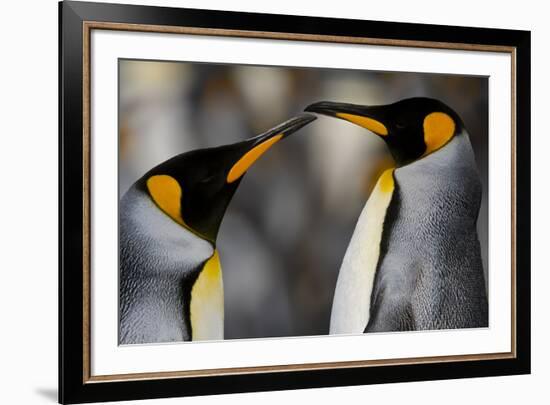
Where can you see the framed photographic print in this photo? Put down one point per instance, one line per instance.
(263, 202)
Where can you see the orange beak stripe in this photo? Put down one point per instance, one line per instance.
(248, 159)
(371, 124)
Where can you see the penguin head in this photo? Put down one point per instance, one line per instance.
(195, 188)
(412, 128)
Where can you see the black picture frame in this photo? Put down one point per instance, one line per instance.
(74, 383)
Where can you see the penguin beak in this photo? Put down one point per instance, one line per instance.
(368, 117)
(257, 146)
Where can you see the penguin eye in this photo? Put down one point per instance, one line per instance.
(400, 125)
(207, 179)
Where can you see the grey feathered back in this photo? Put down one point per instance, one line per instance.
(430, 275)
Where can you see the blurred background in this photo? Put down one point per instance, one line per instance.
(286, 230)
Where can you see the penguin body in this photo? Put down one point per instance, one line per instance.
(170, 277)
(414, 260)
(428, 231)
(431, 273)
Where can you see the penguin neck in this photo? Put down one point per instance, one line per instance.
(450, 170)
(159, 262)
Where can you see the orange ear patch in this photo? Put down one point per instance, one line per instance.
(248, 159)
(166, 193)
(369, 123)
(439, 128)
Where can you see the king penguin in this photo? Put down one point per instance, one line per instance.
(414, 259)
(171, 286)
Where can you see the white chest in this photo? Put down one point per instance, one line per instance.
(351, 304)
